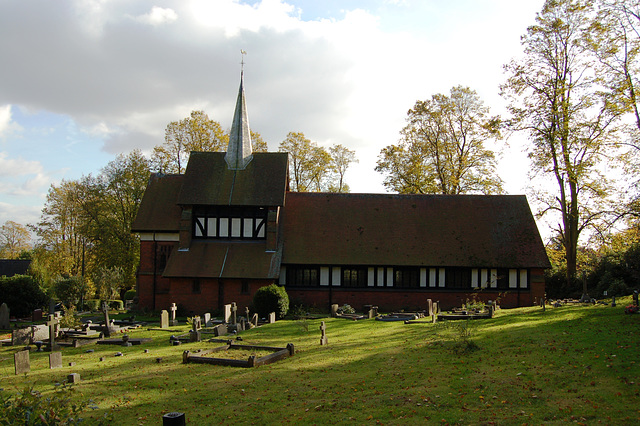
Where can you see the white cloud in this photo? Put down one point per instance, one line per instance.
(158, 16)
(17, 166)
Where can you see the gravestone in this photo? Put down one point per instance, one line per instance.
(21, 336)
(53, 321)
(234, 313)
(613, 301)
(436, 310)
(272, 317)
(4, 316)
(635, 297)
(429, 307)
(334, 310)
(373, 312)
(254, 320)
(323, 338)
(21, 362)
(206, 319)
(55, 360)
(40, 332)
(173, 322)
(174, 419)
(196, 323)
(220, 330)
(73, 378)
(37, 315)
(107, 328)
(164, 319)
(227, 313)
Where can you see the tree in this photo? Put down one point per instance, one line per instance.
(554, 98)
(14, 239)
(341, 159)
(442, 148)
(194, 133)
(109, 282)
(309, 164)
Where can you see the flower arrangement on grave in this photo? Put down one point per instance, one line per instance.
(346, 309)
(631, 309)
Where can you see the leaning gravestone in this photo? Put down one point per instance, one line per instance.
(107, 324)
(21, 362)
(4, 316)
(55, 360)
(220, 330)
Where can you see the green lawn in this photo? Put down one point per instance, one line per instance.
(570, 364)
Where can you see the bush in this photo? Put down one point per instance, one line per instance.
(271, 298)
(118, 305)
(22, 294)
(29, 407)
(92, 304)
(129, 294)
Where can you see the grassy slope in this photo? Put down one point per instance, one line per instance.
(566, 364)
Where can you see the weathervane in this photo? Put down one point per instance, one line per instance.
(242, 52)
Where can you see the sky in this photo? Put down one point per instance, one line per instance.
(82, 81)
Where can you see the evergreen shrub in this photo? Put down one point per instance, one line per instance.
(22, 294)
(271, 298)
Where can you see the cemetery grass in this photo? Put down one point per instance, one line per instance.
(525, 366)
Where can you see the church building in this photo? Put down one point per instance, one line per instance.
(229, 225)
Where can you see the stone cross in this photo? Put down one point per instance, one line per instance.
(173, 309)
(53, 321)
(105, 310)
(234, 313)
(323, 338)
(4, 316)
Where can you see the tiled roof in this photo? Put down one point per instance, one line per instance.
(416, 230)
(158, 210)
(208, 180)
(224, 260)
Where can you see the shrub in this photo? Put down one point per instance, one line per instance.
(271, 298)
(129, 294)
(29, 407)
(118, 305)
(92, 304)
(22, 294)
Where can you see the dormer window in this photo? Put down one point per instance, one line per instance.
(227, 222)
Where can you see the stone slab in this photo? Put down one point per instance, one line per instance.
(21, 362)
(55, 360)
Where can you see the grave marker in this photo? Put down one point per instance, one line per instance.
(4, 316)
(613, 301)
(39, 332)
(206, 319)
(254, 320)
(37, 315)
(323, 338)
(55, 360)
(21, 362)
(107, 328)
(334, 310)
(234, 313)
(73, 378)
(227, 313)
(53, 321)
(220, 330)
(164, 319)
(272, 317)
(635, 297)
(173, 322)
(20, 336)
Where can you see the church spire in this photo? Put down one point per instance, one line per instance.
(239, 152)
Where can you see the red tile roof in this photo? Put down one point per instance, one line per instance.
(208, 180)
(158, 210)
(416, 230)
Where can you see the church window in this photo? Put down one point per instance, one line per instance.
(229, 222)
(406, 277)
(458, 278)
(354, 277)
(303, 276)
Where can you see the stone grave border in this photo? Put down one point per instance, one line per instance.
(277, 355)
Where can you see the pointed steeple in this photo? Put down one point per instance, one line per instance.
(239, 152)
